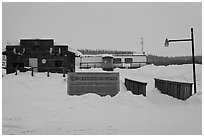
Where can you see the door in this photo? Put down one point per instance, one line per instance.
(107, 63)
(33, 62)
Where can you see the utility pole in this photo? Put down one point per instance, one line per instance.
(193, 58)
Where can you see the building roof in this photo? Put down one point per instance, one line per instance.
(76, 52)
(107, 55)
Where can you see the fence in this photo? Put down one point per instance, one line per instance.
(136, 87)
(48, 70)
(130, 65)
(179, 90)
(116, 65)
(87, 65)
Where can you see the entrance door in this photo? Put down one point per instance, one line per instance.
(33, 62)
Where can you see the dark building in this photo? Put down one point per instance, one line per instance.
(40, 54)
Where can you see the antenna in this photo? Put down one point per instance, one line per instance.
(142, 43)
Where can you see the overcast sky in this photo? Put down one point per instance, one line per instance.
(115, 26)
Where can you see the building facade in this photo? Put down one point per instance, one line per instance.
(39, 54)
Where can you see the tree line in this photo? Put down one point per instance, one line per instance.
(160, 60)
(103, 51)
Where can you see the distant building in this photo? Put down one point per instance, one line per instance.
(41, 54)
(112, 61)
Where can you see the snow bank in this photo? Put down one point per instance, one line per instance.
(3, 72)
(40, 105)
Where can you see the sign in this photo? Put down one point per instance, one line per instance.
(101, 83)
(33, 62)
(44, 61)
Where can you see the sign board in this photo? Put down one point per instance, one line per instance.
(44, 61)
(33, 62)
(101, 83)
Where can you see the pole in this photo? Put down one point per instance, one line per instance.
(32, 71)
(48, 72)
(142, 45)
(63, 72)
(16, 71)
(193, 58)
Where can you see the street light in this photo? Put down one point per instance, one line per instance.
(166, 44)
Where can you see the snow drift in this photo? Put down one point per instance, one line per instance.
(40, 105)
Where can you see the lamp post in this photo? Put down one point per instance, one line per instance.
(193, 58)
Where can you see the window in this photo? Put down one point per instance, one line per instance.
(128, 60)
(58, 63)
(117, 60)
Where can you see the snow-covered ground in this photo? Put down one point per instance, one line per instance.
(40, 105)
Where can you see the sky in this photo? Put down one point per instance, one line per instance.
(106, 25)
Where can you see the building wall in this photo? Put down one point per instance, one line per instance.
(41, 50)
(136, 58)
(87, 61)
(95, 58)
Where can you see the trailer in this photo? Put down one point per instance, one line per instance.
(112, 61)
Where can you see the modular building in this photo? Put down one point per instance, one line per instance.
(129, 60)
(112, 61)
(88, 61)
(41, 55)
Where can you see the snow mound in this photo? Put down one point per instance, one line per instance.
(40, 105)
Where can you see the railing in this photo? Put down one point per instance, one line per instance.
(179, 90)
(87, 65)
(136, 87)
(116, 65)
(48, 70)
(129, 65)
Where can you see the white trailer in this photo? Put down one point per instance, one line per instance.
(90, 61)
(119, 61)
(129, 61)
